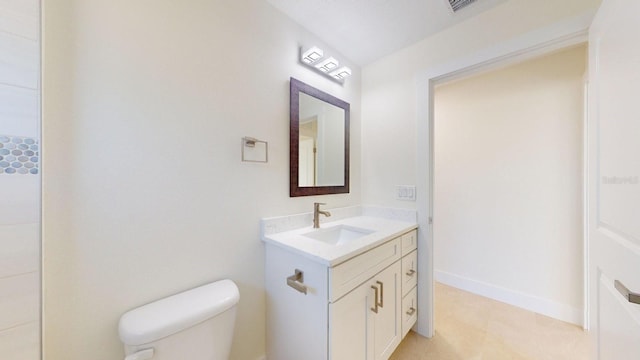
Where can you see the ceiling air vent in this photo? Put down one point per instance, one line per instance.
(459, 4)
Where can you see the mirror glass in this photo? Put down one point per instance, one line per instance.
(319, 143)
(321, 140)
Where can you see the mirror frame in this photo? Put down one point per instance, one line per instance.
(297, 87)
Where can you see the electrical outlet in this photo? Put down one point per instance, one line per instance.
(406, 192)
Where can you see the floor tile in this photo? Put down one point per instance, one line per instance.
(472, 327)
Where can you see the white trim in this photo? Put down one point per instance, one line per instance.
(530, 45)
(566, 33)
(529, 302)
(585, 205)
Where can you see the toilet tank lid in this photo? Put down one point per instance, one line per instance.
(175, 313)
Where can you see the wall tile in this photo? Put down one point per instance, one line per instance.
(19, 199)
(19, 300)
(19, 64)
(20, 249)
(19, 113)
(20, 17)
(19, 180)
(21, 343)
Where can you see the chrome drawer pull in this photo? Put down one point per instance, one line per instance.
(411, 311)
(411, 272)
(375, 301)
(296, 281)
(381, 293)
(631, 297)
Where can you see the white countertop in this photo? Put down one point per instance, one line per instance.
(332, 255)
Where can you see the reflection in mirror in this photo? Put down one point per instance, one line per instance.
(319, 142)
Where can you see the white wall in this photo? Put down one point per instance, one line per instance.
(389, 99)
(145, 195)
(508, 184)
(19, 193)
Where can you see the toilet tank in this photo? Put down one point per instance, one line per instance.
(196, 324)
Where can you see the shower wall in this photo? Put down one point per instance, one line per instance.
(19, 180)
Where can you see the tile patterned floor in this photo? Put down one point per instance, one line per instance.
(472, 327)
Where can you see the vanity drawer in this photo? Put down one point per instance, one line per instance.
(348, 275)
(409, 311)
(409, 271)
(409, 242)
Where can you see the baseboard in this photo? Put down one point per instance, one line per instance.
(529, 302)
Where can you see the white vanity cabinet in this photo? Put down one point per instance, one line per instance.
(363, 325)
(355, 310)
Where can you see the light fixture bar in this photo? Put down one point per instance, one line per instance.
(314, 58)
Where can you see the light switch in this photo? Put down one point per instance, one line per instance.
(406, 192)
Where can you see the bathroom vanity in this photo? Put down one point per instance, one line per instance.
(344, 291)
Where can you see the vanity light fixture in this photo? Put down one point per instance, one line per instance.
(341, 73)
(314, 58)
(312, 55)
(327, 65)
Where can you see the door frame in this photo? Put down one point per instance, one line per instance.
(555, 37)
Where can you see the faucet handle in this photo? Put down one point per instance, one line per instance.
(319, 203)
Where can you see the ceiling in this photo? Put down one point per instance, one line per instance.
(367, 30)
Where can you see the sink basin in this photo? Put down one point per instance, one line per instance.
(338, 235)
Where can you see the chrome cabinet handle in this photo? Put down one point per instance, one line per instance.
(381, 293)
(296, 281)
(631, 297)
(411, 272)
(411, 311)
(375, 301)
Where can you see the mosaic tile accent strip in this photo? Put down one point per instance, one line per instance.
(19, 155)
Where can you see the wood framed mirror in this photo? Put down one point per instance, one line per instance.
(318, 142)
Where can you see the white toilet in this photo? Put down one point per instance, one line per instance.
(196, 325)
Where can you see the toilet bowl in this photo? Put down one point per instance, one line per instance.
(196, 324)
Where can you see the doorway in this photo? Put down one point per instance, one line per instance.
(528, 46)
(508, 176)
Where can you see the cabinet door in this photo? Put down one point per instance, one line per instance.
(350, 325)
(357, 331)
(387, 322)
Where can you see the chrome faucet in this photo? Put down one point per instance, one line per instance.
(316, 214)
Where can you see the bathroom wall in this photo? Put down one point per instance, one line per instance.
(389, 99)
(144, 107)
(508, 184)
(19, 180)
